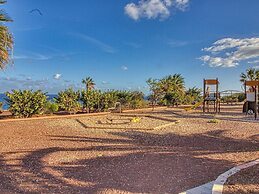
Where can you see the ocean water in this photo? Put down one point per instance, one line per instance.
(5, 106)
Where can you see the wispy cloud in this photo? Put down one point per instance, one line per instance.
(229, 52)
(133, 44)
(124, 68)
(152, 9)
(174, 43)
(31, 56)
(103, 46)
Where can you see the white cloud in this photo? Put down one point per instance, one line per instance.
(57, 76)
(124, 68)
(105, 82)
(152, 9)
(229, 52)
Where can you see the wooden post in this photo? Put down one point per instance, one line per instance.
(256, 101)
(217, 92)
(204, 88)
(246, 106)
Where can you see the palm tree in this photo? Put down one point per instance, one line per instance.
(250, 74)
(89, 83)
(195, 93)
(6, 39)
(172, 83)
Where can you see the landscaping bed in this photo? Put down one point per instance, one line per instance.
(244, 182)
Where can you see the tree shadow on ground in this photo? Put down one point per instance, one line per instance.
(140, 162)
(223, 115)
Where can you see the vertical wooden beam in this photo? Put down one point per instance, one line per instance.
(246, 105)
(256, 101)
(204, 88)
(217, 95)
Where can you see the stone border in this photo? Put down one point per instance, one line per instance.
(221, 180)
(75, 115)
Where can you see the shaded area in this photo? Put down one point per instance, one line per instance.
(136, 162)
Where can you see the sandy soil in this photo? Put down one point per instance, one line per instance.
(244, 182)
(68, 156)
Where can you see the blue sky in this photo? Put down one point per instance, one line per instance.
(121, 44)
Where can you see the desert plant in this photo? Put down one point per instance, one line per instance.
(68, 100)
(26, 103)
(51, 107)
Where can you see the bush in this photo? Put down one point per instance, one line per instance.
(26, 103)
(68, 100)
(108, 100)
(91, 99)
(135, 99)
(51, 107)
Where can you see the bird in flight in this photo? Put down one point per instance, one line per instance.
(36, 10)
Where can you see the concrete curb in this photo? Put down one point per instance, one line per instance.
(221, 180)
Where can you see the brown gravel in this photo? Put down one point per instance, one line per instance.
(72, 156)
(244, 182)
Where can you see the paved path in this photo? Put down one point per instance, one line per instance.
(203, 189)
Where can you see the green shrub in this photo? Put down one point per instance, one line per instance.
(26, 103)
(108, 99)
(91, 99)
(135, 99)
(51, 107)
(68, 100)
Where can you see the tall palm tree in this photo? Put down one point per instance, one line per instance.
(89, 83)
(6, 39)
(172, 83)
(250, 74)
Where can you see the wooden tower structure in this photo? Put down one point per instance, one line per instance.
(211, 97)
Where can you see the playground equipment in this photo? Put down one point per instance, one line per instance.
(116, 109)
(251, 104)
(211, 97)
(194, 106)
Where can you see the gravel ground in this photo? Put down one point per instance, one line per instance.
(74, 156)
(244, 182)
